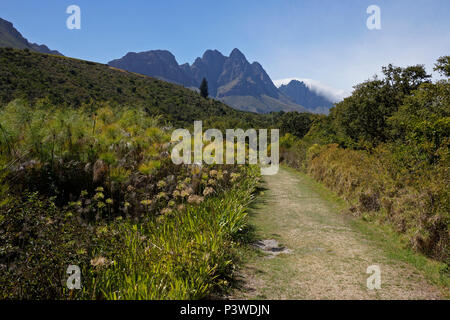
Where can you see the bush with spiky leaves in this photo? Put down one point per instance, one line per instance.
(87, 186)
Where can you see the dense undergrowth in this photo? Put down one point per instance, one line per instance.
(97, 189)
(415, 204)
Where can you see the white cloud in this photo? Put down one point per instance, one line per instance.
(333, 94)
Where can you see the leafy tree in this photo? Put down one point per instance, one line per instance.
(443, 66)
(204, 88)
(405, 79)
(322, 131)
(295, 123)
(423, 121)
(361, 118)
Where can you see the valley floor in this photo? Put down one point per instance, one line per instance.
(326, 253)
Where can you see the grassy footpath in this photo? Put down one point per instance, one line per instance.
(330, 252)
(386, 238)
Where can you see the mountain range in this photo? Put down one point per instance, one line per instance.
(10, 37)
(233, 80)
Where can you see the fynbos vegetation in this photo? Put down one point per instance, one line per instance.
(87, 179)
(97, 188)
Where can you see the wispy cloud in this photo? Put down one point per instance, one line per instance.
(333, 94)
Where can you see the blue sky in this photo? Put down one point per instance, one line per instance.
(323, 40)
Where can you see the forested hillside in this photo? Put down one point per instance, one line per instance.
(69, 82)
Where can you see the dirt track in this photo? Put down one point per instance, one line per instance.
(326, 257)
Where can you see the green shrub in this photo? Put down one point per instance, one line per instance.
(38, 242)
(96, 188)
(413, 200)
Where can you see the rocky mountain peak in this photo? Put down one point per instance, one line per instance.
(237, 55)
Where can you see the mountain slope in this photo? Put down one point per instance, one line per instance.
(248, 87)
(240, 78)
(160, 64)
(70, 82)
(10, 37)
(232, 79)
(298, 92)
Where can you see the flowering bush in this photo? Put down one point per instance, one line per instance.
(97, 188)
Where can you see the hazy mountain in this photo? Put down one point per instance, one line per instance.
(298, 92)
(10, 37)
(231, 79)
